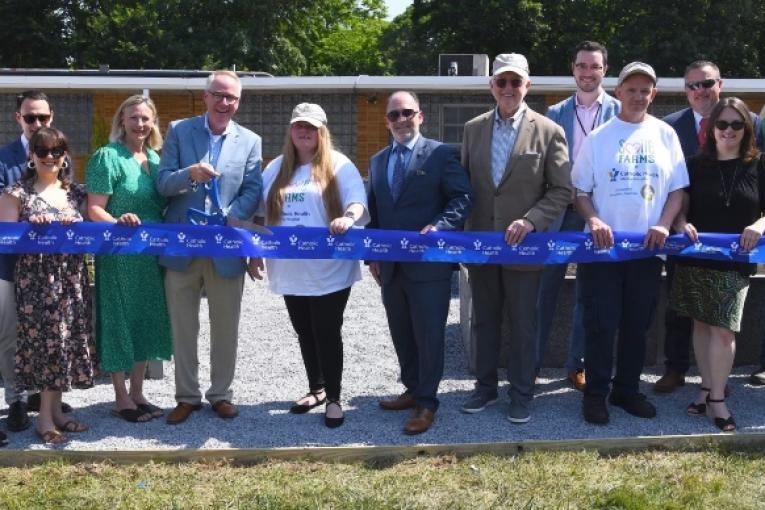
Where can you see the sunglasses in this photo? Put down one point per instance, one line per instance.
(42, 152)
(30, 118)
(697, 85)
(736, 125)
(502, 82)
(406, 113)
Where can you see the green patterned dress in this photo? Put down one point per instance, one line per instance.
(131, 319)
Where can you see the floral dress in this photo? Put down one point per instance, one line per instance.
(54, 308)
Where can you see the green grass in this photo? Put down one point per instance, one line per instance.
(646, 480)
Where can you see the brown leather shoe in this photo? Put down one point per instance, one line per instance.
(182, 412)
(577, 380)
(669, 382)
(420, 421)
(404, 401)
(225, 409)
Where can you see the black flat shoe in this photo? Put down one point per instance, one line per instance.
(333, 422)
(304, 408)
(695, 409)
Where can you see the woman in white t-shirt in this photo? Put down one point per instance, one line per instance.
(312, 185)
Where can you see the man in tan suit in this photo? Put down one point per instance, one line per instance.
(519, 171)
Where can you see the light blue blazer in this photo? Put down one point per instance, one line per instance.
(563, 114)
(240, 185)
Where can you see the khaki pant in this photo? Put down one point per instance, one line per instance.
(224, 298)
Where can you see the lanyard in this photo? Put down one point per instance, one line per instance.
(594, 121)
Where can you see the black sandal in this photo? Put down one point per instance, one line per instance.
(695, 409)
(304, 408)
(333, 422)
(725, 424)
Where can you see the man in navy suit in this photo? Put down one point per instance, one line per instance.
(703, 85)
(33, 111)
(197, 150)
(588, 108)
(416, 184)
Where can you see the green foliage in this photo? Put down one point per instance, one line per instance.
(668, 34)
(282, 37)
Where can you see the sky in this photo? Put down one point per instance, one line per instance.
(396, 7)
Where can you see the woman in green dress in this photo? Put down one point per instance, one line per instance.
(132, 324)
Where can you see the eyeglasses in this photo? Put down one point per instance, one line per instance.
(220, 96)
(736, 125)
(503, 82)
(697, 85)
(406, 113)
(30, 118)
(42, 152)
(584, 67)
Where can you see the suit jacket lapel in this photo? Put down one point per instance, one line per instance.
(229, 146)
(201, 141)
(420, 154)
(525, 131)
(485, 136)
(380, 173)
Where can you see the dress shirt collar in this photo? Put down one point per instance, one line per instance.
(597, 102)
(225, 131)
(512, 121)
(25, 143)
(409, 145)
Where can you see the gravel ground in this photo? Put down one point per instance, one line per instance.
(270, 376)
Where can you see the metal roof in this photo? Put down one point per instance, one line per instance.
(63, 79)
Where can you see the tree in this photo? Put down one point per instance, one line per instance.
(33, 32)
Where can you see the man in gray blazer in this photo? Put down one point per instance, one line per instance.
(196, 150)
(588, 108)
(519, 170)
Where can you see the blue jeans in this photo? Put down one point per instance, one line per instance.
(617, 296)
(553, 276)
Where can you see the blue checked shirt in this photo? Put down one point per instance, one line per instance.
(503, 140)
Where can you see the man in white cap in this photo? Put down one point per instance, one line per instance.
(629, 177)
(519, 170)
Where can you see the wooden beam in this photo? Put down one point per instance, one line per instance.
(342, 454)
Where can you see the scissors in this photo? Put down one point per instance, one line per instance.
(217, 216)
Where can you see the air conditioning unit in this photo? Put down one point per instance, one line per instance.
(463, 64)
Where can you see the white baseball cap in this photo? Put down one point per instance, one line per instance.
(511, 62)
(310, 113)
(636, 68)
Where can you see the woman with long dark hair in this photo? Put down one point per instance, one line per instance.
(726, 195)
(52, 290)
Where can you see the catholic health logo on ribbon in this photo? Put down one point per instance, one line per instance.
(356, 244)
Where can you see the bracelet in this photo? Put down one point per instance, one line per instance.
(349, 214)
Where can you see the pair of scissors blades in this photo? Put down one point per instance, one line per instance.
(217, 216)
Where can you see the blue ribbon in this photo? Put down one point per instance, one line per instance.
(356, 244)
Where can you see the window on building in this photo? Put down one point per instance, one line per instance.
(454, 117)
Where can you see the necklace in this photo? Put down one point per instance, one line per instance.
(726, 193)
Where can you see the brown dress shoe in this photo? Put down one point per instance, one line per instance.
(577, 380)
(182, 412)
(404, 401)
(225, 409)
(420, 421)
(669, 382)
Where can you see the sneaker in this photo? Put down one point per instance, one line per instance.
(758, 377)
(636, 404)
(519, 412)
(478, 401)
(594, 409)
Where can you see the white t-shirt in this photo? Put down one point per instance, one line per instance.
(303, 206)
(630, 169)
